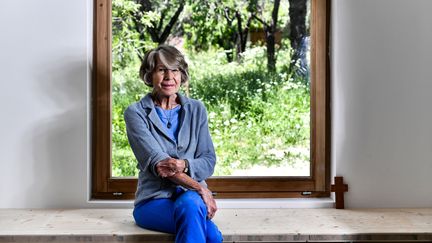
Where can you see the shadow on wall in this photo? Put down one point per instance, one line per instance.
(59, 140)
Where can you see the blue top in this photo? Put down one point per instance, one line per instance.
(171, 117)
(151, 143)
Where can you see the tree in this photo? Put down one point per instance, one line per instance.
(139, 25)
(270, 31)
(235, 15)
(127, 43)
(159, 32)
(204, 25)
(298, 36)
(220, 23)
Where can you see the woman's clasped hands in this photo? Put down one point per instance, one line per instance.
(170, 166)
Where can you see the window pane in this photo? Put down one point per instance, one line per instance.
(259, 119)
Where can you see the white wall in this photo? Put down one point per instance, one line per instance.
(382, 96)
(43, 103)
(382, 79)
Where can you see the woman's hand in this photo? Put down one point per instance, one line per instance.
(164, 170)
(170, 166)
(208, 199)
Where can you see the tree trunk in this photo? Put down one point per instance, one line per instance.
(270, 43)
(229, 43)
(270, 31)
(171, 23)
(239, 39)
(241, 36)
(298, 36)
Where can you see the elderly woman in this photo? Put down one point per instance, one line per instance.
(169, 136)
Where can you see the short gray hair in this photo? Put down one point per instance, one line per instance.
(170, 56)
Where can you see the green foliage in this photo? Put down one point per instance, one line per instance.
(264, 8)
(203, 24)
(255, 118)
(127, 43)
(213, 23)
(127, 88)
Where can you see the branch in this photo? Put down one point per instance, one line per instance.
(239, 21)
(275, 15)
(248, 23)
(261, 21)
(226, 15)
(171, 23)
(161, 20)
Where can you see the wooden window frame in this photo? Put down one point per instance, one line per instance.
(104, 186)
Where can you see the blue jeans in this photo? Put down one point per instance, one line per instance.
(184, 215)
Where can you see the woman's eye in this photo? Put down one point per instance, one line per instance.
(165, 70)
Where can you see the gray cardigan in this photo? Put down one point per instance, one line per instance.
(151, 144)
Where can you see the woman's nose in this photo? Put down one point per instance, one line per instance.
(168, 74)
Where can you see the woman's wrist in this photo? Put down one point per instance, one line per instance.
(201, 190)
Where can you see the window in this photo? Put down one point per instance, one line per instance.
(105, 186)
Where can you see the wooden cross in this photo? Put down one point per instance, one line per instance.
(339, 188)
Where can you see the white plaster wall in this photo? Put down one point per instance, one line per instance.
(382, 80)
(43, 103)
(382, 96)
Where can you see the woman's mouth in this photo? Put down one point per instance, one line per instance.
(168, 85)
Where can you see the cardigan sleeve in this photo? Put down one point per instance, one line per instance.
(145, 147)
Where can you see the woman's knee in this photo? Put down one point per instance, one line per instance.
(156, 215)
(140, 220)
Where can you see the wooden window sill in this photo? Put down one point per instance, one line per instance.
(237, 225)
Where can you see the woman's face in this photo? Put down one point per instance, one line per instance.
(166, 82)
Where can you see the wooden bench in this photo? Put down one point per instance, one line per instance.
(237, 225)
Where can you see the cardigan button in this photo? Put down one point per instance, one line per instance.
(180, 147)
